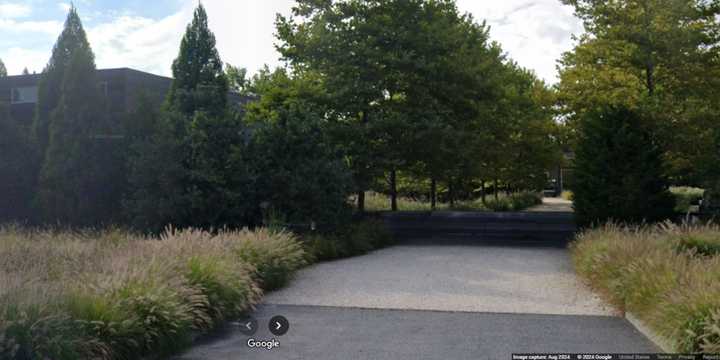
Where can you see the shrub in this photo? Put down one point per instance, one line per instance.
(619, 171)
(322, 247)
(512, 202)
(686, 196)
(359, 238)
(641, 270)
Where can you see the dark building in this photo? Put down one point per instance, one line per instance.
(121, 89)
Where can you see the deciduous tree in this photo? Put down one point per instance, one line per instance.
(659, 56)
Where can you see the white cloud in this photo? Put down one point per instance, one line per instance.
(14, 11)
(137, 42)
(532, 32)
(23, 27)
(244, 33)
(16, 59)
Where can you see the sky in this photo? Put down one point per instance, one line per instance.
(145, 34)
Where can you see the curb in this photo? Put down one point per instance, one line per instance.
(660, 341)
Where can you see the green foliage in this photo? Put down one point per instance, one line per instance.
(357, 239)
(72, 41)
(37, 333)
(676, 293)
(3, 70)
(618, 171)
(657, 56)
(156, 174)
(275, 256)
(107, 295)
(439, 101)
(237, 78)
(226, 283)
(180, 165)
(504, 202)
(514, 202)
(298, 171)
(685, 196)
(219, 194)
(77, 179)
(199, 82)
(704, 244)
(18, 169)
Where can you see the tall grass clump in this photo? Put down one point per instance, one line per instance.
(116, 295)
(275, 255)
(655, 273)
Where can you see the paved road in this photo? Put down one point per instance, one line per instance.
(352, 333)
(450, 277)
(430, 301)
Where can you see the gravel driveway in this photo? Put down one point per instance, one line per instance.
(469, 278)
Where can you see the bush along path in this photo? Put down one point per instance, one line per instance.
(666, 275)
(115, 295)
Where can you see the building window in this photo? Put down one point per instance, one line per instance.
(24, 95)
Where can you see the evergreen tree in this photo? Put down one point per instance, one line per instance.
(200, 83)
(619, 170)
(180, 174)
(72, 40)
(72, 184)
(156, 171)
(3, 70)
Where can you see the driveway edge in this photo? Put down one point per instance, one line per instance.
(659, 340)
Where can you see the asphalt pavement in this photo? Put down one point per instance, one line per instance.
(320, 333)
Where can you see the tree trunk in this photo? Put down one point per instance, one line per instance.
(433, 193)
(451, 193)
(361, 201)
(495, 189)
(393, 190)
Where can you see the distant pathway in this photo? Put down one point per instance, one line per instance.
(553, 204)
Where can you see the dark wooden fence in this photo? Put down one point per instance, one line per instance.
(511, 228)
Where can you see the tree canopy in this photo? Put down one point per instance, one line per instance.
(659, 56)
(71, 41)
(199, 82)
(415, 85)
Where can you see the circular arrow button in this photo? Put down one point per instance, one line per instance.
(247, 326)
(278, 325)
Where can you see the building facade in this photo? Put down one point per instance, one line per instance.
(121, 90)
